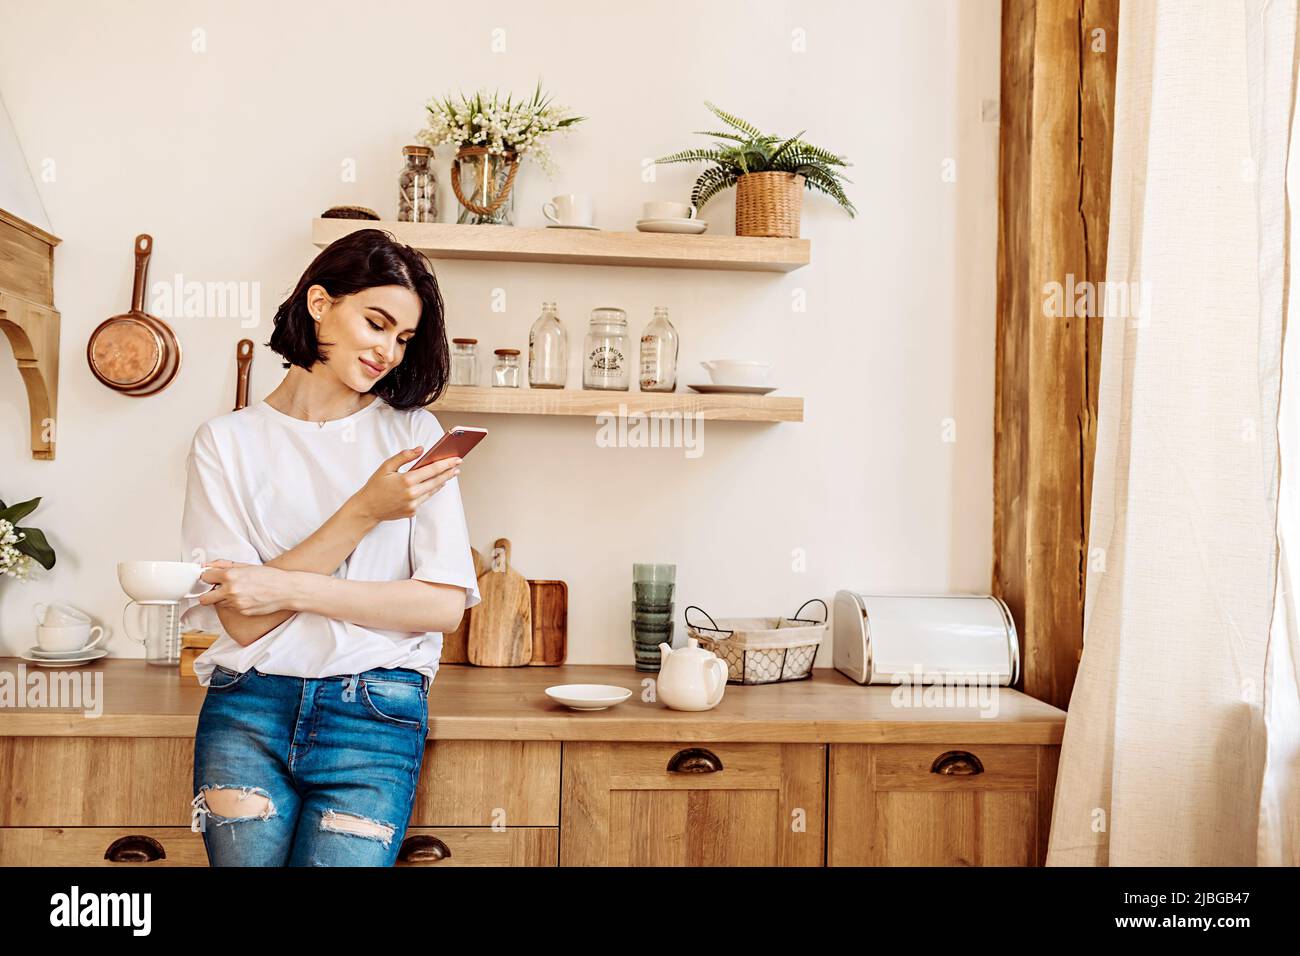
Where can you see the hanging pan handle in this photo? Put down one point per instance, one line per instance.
(687, 615)
(826, 613)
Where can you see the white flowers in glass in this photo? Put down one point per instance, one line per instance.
(501, 126)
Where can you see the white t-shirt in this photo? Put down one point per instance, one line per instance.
(261, 482)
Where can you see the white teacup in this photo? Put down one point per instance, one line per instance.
(668, 210)
(58, 615)
(153, 582)
(70, 637)
(738, 372)
(569, 210)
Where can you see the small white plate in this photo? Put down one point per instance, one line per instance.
(37, 651)
(588, 696)
(733, 389)
(83, 658)
(688, 227)
(556, 225)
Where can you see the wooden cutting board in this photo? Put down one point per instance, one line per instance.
(455, 644)
(501, 630)
(550, 610)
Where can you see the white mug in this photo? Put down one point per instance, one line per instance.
(71, 637)
(569, 210)
(669, 210)
(59, 615)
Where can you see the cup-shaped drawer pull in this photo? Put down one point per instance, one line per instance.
(136, 848)
(694, 760)
(423, 848)
(957, 763)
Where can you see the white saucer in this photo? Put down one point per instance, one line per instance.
(556, 225)
(689, 227)
(588, 696)
(84, 657)
(733, 389)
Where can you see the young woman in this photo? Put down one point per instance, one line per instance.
(334, 571)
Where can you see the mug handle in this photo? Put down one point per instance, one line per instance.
(694, 212)
(548, 210)
(39, 610)
(126, 628)
(96, 640)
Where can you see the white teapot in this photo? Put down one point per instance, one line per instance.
(691, 678)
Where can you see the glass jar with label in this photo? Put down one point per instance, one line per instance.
(659, 354)
(505, 373)
(464, 361)
(548, 351)
(417, 187)
(606, 355)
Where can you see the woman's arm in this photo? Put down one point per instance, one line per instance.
(410, 605)
(320, 554)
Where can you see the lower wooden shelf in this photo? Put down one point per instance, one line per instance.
(568, 401)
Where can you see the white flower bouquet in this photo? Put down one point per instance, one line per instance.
(20, 547)
(502, 127)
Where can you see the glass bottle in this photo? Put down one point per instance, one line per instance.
(548, 351)
(417, 187)
(659, 346)
(606, 359)
(505, 373)
(464, 361)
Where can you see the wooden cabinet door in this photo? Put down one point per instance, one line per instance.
(681, 804)
(933, 805)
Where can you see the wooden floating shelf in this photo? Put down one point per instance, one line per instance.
(581, 246)
(568, 401)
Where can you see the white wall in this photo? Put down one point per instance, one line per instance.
(224, 156)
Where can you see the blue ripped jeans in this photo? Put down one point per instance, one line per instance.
(320, 772)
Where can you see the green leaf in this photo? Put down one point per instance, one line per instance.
(711, 182)
(16, 513)
(36, 547)
(747, 128)
(692, 156)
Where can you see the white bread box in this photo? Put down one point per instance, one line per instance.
(908, 639)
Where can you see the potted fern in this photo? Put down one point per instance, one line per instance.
(769, 172)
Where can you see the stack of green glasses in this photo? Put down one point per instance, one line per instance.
(652, 612)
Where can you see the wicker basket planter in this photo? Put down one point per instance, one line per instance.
(768, 204)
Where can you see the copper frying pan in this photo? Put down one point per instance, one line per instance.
(135, 353)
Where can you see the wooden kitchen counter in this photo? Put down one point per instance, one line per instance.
(508, 703)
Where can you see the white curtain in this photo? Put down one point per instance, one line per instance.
(1182, 745)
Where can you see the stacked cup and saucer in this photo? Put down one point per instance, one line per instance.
(64, 637)
(652, 612)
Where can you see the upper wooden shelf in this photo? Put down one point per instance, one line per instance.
(582, 246)
(485, 399)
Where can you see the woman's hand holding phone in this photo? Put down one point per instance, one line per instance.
(389, 494)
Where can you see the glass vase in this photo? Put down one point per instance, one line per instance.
(484, 186)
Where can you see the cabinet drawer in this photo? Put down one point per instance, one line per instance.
(480, 846)
(955, 767)
(87, 846)
(96, 781)
(484, 783)
(180, 846)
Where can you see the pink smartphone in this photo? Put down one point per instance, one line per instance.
(456, 443)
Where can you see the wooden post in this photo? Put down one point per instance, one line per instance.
(1057, 123)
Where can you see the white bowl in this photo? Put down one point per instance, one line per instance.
(588, 696)
(160, 580)
(737, 372)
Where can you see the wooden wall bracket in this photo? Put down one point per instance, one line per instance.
(33, 333)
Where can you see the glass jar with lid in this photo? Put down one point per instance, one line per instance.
(464, 361)
(505, 373)
(417, 187)
(548, 351)
(606, 358)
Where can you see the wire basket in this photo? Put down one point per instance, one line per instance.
(762, 650)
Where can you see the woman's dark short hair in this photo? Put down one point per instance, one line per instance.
(363, 260)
